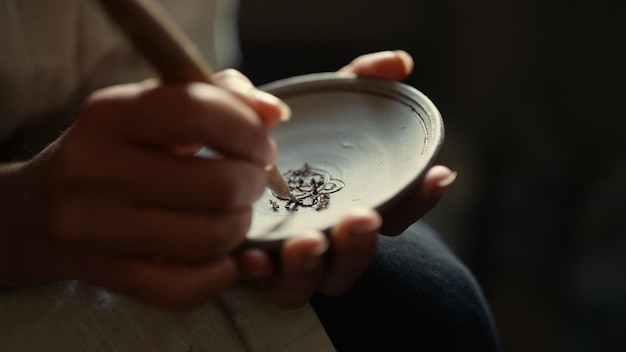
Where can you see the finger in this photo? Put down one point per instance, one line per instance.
(182, 114)
(150, 177)
(158, 283)
(254, 263)
(187, 149)
(271, 110)
(354, 246)
(391, 65)
(146, 232)
(436, 182)
(301, 271)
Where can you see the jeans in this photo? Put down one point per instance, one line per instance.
(417, 296)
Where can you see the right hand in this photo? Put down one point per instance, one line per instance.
(114, 202)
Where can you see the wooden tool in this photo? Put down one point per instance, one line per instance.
(172, 54)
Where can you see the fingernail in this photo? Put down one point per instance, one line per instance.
(150, 82)
(270, 157)
(367, 220)
(346, 72)
(314, 259)
(448, 180)
(407, 59)
(285, 112)
(366, 227)
(267, 98)
(322, 242)
(321, 245)
(383, 55)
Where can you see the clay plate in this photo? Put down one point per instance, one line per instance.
(377, 137)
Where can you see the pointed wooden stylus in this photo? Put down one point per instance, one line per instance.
(172, 54)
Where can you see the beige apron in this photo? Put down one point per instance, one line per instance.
(68, 316)
(53, 53)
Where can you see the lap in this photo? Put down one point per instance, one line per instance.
(416, 296)
(70, 316)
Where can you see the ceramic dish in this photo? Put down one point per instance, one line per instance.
(363, 142)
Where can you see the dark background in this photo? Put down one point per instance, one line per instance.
(533, 95)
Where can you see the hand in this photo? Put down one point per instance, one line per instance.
(305, 267)
(118, 202)
(397, 65)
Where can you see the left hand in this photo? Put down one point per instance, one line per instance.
(305, 267)
(397, 65)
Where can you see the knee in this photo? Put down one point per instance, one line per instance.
(428, 283)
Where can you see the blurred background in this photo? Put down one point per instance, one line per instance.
(533, 94)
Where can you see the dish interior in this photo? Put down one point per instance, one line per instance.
(368, 145)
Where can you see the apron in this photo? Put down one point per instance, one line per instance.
(53, 54)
